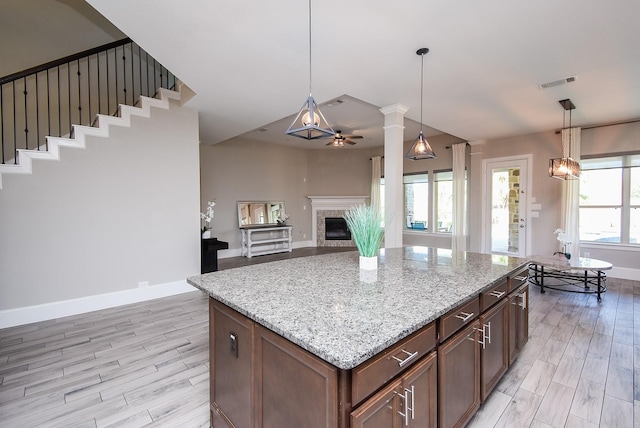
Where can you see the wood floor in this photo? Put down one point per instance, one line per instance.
(146, 364)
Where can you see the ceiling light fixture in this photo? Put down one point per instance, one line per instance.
(310, 124)
(565, 168)
(421, 148)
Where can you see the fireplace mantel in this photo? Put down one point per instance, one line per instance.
(326, 203)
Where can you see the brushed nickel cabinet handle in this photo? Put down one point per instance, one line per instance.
(464, 316)
(485, 331)
(405, 404)
(410, 357)
(520, 278)
(497, 294)
(523, 296)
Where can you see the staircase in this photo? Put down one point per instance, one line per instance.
(75, 97)
(77, 139)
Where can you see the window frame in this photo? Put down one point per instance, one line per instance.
(629, 162)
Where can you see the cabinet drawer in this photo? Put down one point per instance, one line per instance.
(375, 372)
(494, 295)
(459, 317)
(518, 278)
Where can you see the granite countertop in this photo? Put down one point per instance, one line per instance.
(328, 306)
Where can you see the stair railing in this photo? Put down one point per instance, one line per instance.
(49, 99)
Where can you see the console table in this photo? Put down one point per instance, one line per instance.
(257, 241)
(575, 275)
(209, 254)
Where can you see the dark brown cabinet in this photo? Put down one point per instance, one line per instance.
(438, 375)
(494, 341)
(518, 303)
(231, 359)
(285, 373)
(380, 411)
(409, 401)
(459, 377)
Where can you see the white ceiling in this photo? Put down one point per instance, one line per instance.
(248, 61)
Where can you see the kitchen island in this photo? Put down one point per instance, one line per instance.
(315, 341)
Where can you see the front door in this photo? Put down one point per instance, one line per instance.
(505, 201)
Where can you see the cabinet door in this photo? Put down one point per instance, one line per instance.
(494, 354)
(459, 378)
(230, 349)
(522, 324)
(293, 387)
(380, 411)
(421, 386)
(518, 303)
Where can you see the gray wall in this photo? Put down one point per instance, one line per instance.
(103, 219)
(242, 169)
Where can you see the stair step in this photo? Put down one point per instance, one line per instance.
(78, 133)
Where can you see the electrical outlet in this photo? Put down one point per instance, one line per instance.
(304, 208)
(304, 236)
(143, 284)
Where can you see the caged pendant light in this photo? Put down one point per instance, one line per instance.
(565, 168)
(421, 148)
(310, 124)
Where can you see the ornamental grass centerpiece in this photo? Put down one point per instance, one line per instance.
(365, 224)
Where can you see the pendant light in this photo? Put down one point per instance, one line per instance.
(310, 124)
(565, 168)
(421, 148)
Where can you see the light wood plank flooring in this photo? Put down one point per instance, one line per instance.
(147, 364)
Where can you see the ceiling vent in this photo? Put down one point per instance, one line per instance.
(558, 82)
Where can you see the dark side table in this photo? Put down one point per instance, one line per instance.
(209, 254)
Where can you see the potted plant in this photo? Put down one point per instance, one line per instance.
(207, 217)
(564, 240)
(365, 224)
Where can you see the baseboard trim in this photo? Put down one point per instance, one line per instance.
(624, 273)
(64, 308)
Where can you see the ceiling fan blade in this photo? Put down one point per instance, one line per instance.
(349, 142)
(353, 136)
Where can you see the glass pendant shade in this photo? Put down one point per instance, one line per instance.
(565, 168)
(421, 149)
(310, 123)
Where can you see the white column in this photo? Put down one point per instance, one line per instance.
(474, 191)
(393, 166)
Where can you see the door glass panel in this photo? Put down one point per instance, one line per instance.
(505, 210)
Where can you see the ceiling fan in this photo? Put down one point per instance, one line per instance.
(339, 139)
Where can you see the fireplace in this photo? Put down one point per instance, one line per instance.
(331, 207)
(335, 229)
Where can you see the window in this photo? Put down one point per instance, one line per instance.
(416, 201)
(422, 211)
(443, 189)
(610, 200)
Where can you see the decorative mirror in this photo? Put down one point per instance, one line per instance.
(259, 213)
